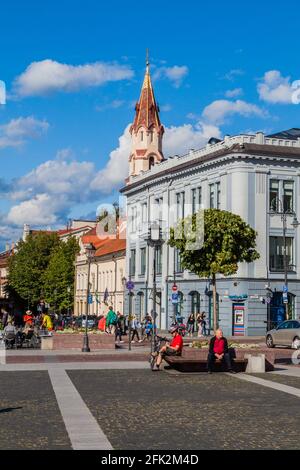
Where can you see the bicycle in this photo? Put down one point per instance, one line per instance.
(158, 343)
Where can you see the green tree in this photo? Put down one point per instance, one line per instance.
(27, 267)
(60, 274)
(227, 241)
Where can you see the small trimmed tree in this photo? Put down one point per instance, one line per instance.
(227, 241)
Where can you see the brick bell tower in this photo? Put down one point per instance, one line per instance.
(146, 131)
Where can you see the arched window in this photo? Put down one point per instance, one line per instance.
(195, 302)
(151, 162)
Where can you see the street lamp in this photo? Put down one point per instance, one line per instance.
(154, 240)
(280, 210)
(90, 254)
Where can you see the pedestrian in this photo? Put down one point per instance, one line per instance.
(135, 325)
(111, 321)
(28, 317)
(148, 330)
(102, 323)
(191, 324)
(4, 318)
(121, 320)
(203, 324)
(199, 320)
(47, 322)
(118, 331)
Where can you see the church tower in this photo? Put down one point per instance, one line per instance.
(146, 131)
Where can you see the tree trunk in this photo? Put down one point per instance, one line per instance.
(215, 312)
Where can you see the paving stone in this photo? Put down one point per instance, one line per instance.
(146, 410)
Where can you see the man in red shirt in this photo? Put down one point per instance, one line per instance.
(218, 349)
(171, 349)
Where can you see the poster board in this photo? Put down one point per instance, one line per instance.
(238, 320)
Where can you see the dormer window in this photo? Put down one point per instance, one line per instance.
(151, 162)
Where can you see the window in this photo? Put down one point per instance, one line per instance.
(277, 253)
(283, 190)
(288, 196)
(151, 136)
(144, 212)
(158, 259)
(151, 162)
(195, 302)
(211, 196)
(132, 263)
(133, 219)
(178, 265)
(159, 210)
(194, 201)
(218, 191)
(200, 197)
(180, 200)
(142, 136)
(274, 194)
(143, 261)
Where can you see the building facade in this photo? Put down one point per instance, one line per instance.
(243, 174)
(106, 275)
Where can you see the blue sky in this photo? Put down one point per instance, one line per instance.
(73, 71)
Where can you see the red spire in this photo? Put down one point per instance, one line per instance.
(147, 111)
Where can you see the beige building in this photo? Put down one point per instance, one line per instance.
(76, 229)
(106, 275)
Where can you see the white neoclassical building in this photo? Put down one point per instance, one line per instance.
(244, 174)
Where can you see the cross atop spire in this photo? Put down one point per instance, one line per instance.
(147, 110)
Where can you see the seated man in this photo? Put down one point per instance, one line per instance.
(171, 349)
(218, 349)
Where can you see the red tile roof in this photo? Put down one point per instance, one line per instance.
(113, 245)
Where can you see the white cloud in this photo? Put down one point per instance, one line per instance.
(2, 93)
(17, 131)
(175, 74)
(234, 93)
(48, 76)
(274, 88)
(219, 110)
(41, 210)
(117, 167)
(233, 74)
(179, 140)
(115, 104)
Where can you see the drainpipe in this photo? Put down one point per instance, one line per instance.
(115, 291)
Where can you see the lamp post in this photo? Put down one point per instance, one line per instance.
(90, 253)
(154, 240)
(280, 210)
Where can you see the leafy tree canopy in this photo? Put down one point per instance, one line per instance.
(228, 240)
(28, 265)
(59, 276)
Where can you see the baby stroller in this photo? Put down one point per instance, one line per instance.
(9, 339)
